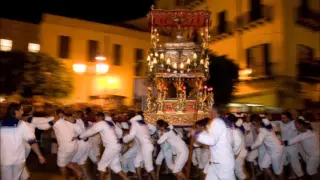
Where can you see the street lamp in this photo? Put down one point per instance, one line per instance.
(102, 68)
(79, 68)
(100, 58)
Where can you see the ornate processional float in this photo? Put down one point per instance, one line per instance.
(178, 69)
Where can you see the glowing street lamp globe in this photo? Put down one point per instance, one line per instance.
(79, 68)
(102, 68)
(100, 58)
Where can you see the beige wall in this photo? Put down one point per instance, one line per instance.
(89, 84)
(20, 33)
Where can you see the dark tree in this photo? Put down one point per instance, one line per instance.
(32, 74)
(223, 78)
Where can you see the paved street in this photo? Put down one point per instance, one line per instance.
(50, 171)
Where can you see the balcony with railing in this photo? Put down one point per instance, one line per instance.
(308, 18)
(254, 18)
(222, 31)
(309, 70)
(190, 4)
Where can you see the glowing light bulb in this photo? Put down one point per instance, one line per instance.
(175, 65)
(161, 56)
(181, 66)
(168, 61)
(201, 61)
(148, 59)
(195, 56)
(188, 61)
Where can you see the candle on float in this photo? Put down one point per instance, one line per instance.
(201, 61)
(161, 56)
(175, 65)
(195, 56)
(148, 59)
(156, 55)
(188, 61)
(154, 60)
(168, 61)
(181, 66)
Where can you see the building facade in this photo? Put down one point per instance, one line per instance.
(75, 41)
(78, 41)
(276, 40)
(19, 36)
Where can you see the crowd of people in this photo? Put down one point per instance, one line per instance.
(223, 143)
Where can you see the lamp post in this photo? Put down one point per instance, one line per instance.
(99, 68)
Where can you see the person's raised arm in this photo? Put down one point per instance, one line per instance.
(298, 138)
(163, 138)
(259, 140)
(129, 137)
(91, 131)
(29, 137)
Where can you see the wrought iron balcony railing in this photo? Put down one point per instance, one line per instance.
(309, 70)
(308, 17)
(254, 17)
(222, 31)
(189, 3)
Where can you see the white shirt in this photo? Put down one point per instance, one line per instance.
(65, 132)
(140, 130)
(269, 139)
(12, 143)
(174, 140)
(288, 131)
(239, 146)
(107, 132)
(117, 127)
(42, 123)
(309, 142)
(249, 137)
(219, 138)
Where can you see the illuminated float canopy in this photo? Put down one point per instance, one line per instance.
(178, 69)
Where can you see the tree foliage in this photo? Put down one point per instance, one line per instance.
(32, 74)
(223, 78)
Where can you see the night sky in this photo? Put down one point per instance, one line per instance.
(107, 11)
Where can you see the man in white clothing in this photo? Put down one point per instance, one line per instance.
(13, 135)
(111, 154)
(219, 137)
(141, 131)
(288, 131)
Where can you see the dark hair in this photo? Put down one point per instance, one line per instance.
(305, 124)
(162, 123)
(288, 114)
(232, 118)
(140, 113)
(88, 110)
(255, 117)
(203, 122)
(81, 114)
(12, 108)
(58, 111)
(131, 114)
(68, 112)
(100, 114)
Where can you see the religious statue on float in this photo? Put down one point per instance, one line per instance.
(181, 102)
(210, 100)
(202, 97)
(150, 101)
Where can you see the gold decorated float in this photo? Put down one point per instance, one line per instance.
(178, 69)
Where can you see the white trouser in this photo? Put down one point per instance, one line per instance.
(181, 160)
(312, 165)
(167, 156)
(110, 158)
(196, 156)
(292, 157)
(240, 168)
(275, 159)
(66, 154)
(11, 172)
(94, 151)
(220, 172)
(144, 156)
(25, 173)
(128, 158)
(82, 153)
(205, 156)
